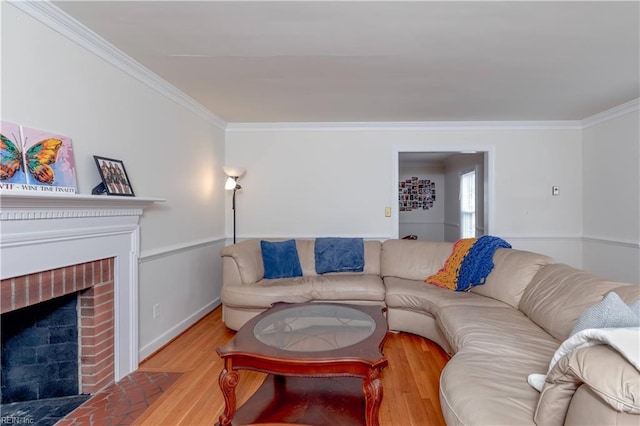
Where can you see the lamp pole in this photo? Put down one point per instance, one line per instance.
(233, 206)
(233, 173)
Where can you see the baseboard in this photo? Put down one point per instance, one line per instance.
(165, 338)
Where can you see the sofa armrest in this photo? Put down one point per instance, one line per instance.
(242, 263)
(607, 374)
(588, 409)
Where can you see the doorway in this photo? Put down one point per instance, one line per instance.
(427, 190)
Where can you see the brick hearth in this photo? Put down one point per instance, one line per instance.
(95, 282)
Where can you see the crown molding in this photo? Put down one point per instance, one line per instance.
(611, 113)
(405, 126)
(62, 23)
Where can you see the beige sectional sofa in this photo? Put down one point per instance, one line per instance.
(498, 333)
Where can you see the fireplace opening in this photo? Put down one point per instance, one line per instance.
(40, 351)
(40, 360)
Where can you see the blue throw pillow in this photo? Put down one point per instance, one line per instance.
(280, 259)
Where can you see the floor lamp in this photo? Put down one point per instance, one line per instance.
(231, 184)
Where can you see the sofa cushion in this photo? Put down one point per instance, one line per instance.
(501, 330)
(417, 296)
(413, 259)
(512, 272)
(559, 294)
(347, 287)
(489, 389)
(267, 292)
(280, 259)
(629, 293)
(305, 254)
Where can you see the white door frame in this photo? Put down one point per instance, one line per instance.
(489, 178)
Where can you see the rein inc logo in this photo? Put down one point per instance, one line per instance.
(16, 420)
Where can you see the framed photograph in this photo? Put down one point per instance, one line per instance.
(114, 176)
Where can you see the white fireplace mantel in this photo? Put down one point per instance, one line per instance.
(39, 233)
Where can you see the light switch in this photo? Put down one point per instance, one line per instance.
(555, 190)
(387, 212)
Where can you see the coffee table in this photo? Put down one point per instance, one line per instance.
(323, 360)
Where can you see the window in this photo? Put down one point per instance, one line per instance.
(468, 204)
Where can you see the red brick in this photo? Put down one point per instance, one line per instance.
(20, 292)
(87, 341)
(101, 300)
(98, 347)
(97, 272)
(103, 288)
(92, 370)
(104, 270)
(34, 288)
(98, 329)
(6, 295)
(102, 317)
(58, 282)
(76, 281)
(69, 278)
(87, 312)
(46, 285)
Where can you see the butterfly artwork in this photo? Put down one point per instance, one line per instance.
(11, 160)
(36, 158)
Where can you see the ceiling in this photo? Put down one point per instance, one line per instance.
(393, 61)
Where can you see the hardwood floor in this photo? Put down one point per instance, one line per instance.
(410, 381)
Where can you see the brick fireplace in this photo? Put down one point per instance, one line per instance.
(77, 244)
(92, 284)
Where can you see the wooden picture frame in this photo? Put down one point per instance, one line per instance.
(114, 176)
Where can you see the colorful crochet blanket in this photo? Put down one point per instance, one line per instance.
(469, 264)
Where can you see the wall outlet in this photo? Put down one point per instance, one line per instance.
(156, 311)
(387, 212)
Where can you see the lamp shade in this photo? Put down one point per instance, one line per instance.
(230, 184)
(233, 171)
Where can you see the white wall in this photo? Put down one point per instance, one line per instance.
(425, 224)
(49, 82)
(611, 200)
(333, 181)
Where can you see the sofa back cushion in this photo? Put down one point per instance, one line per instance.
(512, 272)
(413, 259)
(248, 257)
(558, 294)
(629, 293)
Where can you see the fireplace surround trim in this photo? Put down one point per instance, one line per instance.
(40, 233)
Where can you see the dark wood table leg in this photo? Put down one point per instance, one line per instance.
(372, 388)
(228, 381)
